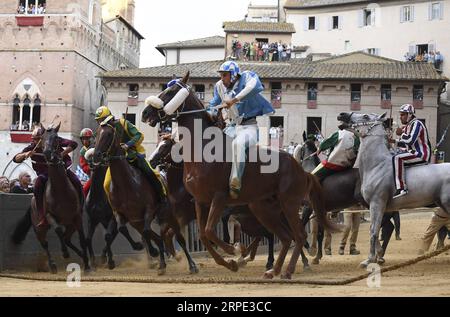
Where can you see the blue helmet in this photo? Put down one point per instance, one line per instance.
(231, 67)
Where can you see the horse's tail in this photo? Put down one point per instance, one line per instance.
(317, 200)
(22, 228)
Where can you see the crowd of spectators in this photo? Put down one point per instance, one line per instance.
(20, 185)
(433, 58)
(25, 126)
(260, 51)
(32, 9)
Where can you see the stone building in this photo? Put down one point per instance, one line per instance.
(50, 59)
(307, 94)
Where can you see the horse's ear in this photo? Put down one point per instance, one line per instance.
(57, 127)
(382, 117)
(41, 125)
(186, 78)
(304, 136)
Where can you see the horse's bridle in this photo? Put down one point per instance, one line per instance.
(106, 156)
(54, 154)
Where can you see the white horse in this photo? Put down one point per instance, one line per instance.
(427, 184)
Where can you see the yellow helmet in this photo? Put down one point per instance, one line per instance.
(102, 113)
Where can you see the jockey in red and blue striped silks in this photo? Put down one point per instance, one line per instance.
(418, 148)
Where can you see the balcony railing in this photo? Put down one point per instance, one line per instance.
(30, 20)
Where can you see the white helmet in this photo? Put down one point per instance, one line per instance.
(409, 109)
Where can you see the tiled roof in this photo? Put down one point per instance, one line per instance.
(258, 27)
(361, 67)
(212, 41)
(298, 4)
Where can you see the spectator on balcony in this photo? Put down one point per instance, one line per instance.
(41, 9)
(25, 125)
(288, 52)
(23, 186)
(431, 58)
(438, 59)
(4, 185)
(252, 52)
(21, 9)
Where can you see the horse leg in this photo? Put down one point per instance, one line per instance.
(149, 234)
(376, 215)
(67, 239)
(182, 242)
(320, 236)
(60, 233)
(110, 236)
(41, 233)
(135, 245)
(264, 213)
(202, 214)
(270, 257)
(167, 236)
(215, 212)
(91, 230)
(442, 233)
(249, 253)
(82, 239)
(386, 232)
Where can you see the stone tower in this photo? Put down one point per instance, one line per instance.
(124, 8)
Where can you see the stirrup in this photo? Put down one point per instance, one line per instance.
(400, 193)
(235, 188)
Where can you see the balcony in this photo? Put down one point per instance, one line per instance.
(418, 103)
(386, 104)
(18, 136)
(311, 104)
(30, 20)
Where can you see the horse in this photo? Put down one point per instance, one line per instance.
(99, 211)
(184, 207)
(207, 180)
(427, 184)
(62, 203)
(341, 190)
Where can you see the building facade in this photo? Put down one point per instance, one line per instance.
(50, 60)
(308, 95)
(191, 51)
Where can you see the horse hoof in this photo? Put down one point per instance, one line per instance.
(66, 255)
(268, 275)
(138, 246)
(161, 271)
(364, 264)
(241, 262)
(53, 268)
(103, 260)
(233, 265)
(315, 261)
(88, 270)
(307, 269)
(111, 265)
(153, 265)
(178, 257)
(193, 270)
(154, 253)
(238, 249)
(269, 267)
(286, 276)
(380, 260)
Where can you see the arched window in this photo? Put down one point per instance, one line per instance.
(31, 7)
(26, 113)
(36, 110)
(16, 113)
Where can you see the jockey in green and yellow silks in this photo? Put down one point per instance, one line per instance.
(131, 142)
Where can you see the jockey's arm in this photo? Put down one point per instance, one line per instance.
(22, 156)
(134, 133)
(68, 145)
(329, 142)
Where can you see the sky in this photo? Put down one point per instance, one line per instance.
(167, 21)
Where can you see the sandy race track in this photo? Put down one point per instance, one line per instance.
(427, 278)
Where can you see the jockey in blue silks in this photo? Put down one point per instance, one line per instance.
(240, 94)
(414, 137)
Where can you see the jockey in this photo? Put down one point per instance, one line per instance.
(131, 143)
(35, 152)
(344, 147)
(413, 137)
(240, 94)
(86, 136)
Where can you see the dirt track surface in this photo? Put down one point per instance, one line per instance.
(427, 278)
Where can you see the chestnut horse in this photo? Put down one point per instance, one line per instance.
(207, 180)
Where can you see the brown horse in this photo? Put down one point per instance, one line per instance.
(184, 206)
(207, 182)
(62, 203)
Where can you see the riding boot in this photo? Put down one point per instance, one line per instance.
(39, 189)
(142, 164)
(353, 250)
(341, 249)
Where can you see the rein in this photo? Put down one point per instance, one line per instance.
(106, 156)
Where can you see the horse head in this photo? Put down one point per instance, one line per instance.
(50, 143)
(162, 153)
(360, 123)
(170, 102)
(106, 144)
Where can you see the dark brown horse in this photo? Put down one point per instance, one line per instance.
(207, 182)
(99, 211)
(62, 204)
